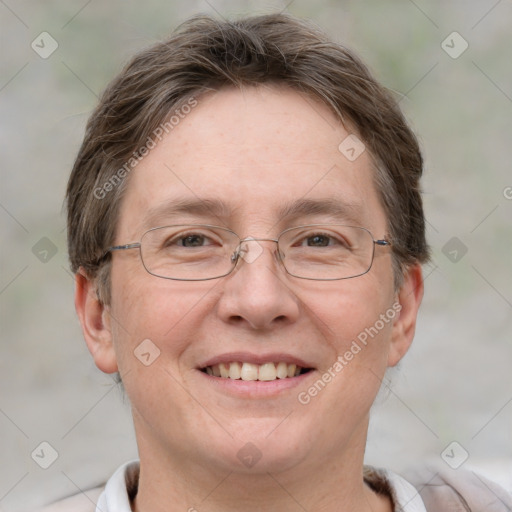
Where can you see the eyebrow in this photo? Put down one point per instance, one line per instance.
(192, 207)
(208, 208)
(327, 206)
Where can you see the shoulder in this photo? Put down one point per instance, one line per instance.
(439, 489)
(458, 490)
(114, 496)
(83, 502)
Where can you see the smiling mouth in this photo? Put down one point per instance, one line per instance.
(249, 371)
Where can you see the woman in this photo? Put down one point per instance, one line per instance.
(247, 235)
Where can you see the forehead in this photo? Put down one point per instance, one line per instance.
(256, 156)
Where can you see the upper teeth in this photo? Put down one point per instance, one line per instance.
(249, 371)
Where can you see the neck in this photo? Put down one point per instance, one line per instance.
(333, 484)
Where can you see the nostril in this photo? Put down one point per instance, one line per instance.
(236, 319)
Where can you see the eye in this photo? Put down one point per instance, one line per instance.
(189, 240)
(194, 240)
(318, 241)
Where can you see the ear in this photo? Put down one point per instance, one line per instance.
(94, 318)
(409, 297)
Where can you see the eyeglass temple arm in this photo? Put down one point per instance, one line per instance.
(123, 247)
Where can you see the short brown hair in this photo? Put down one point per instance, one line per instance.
(206, 54)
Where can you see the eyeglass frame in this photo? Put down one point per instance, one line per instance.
(236, 256)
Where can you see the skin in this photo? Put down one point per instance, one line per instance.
(255, 150)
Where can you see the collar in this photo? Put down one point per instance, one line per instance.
(405, 497)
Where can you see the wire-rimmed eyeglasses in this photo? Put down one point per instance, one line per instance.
(200, 252)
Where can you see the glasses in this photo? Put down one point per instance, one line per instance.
(199, 252)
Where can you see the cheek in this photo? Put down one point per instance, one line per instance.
(353, 309)
(347, 386)
(163, 311)
(356, 320)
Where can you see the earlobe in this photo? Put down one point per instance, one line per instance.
(409, 296)
(94, 318)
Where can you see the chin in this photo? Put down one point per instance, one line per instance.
(263, 447)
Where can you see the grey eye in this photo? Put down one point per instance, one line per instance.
(192, 241)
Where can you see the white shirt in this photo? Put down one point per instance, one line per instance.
(115, 497)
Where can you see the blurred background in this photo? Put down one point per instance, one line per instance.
(449, 64)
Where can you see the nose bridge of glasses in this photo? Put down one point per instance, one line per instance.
(251, 252)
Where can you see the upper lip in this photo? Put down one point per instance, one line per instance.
(247, 357)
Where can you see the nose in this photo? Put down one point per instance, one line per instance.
(258, 293)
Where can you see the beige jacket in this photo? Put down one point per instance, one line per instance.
(442, 490)
(458, 491)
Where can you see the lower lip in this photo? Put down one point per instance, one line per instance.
(256, 388)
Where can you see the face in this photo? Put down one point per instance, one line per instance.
(257, 161)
